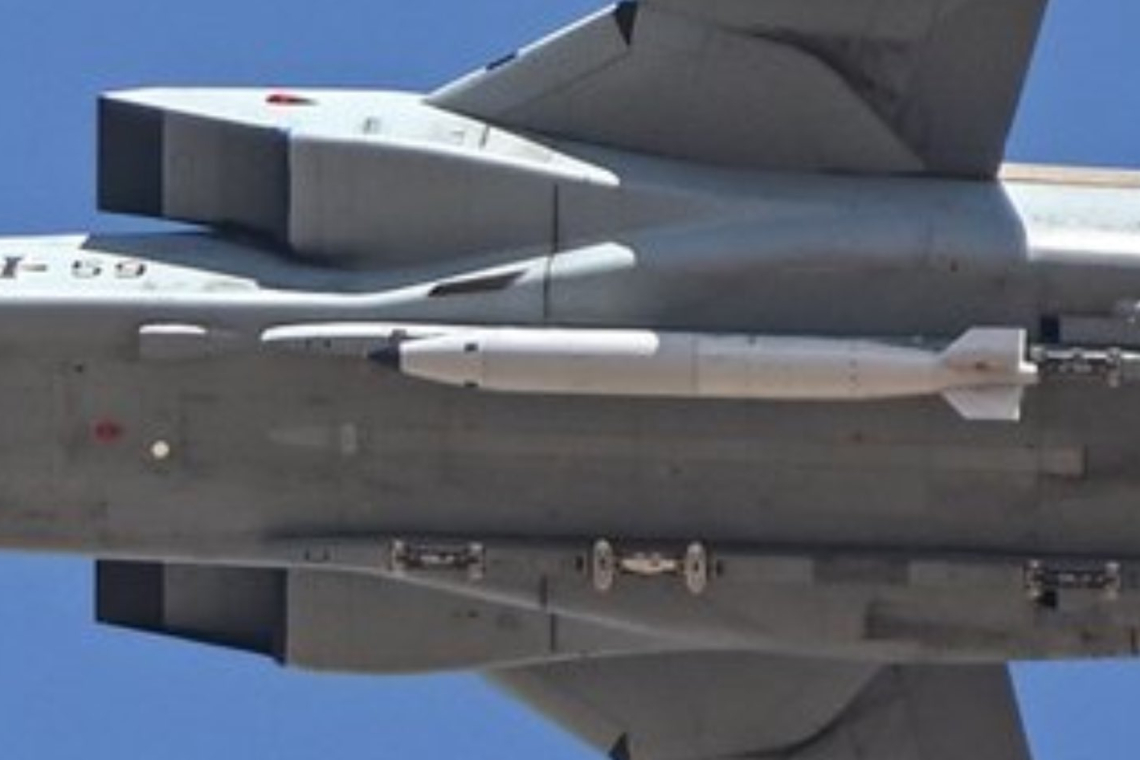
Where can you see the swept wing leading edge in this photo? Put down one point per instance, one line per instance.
(870, 86)
(702, 706)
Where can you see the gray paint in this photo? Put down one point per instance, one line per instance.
(873, 564)
(829, 85)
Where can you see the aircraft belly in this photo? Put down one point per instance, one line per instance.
(809, 507)
(167, 428)
(843, 529)
(263, 446)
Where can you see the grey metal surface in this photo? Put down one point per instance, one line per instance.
(347, 177)
(901, 87)
(349, 622)
(930, 713)
(229, 607)
(218, 416)
(693, 705)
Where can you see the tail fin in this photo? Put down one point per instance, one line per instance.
(995, 360)
(999, 403)
(1000, 350)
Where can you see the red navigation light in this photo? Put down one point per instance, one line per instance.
(288, 99)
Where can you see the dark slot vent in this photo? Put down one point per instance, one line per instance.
(470, 285)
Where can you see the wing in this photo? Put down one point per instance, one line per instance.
(876, 86)
(702, 706)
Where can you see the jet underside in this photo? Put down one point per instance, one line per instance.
(697, 374)
(159, 421)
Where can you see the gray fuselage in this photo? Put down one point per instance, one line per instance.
(221, 453)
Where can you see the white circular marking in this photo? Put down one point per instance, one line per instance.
(160, 450)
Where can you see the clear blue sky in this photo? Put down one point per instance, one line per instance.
(70, 689)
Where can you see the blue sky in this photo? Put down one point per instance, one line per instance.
(70, 689)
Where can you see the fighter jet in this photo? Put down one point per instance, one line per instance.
(699, 374)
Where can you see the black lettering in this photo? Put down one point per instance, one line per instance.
(11, 268)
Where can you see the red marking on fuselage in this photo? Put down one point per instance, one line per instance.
(107, 431)
(287, 99)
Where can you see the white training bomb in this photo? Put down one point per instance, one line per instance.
(982, 374)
